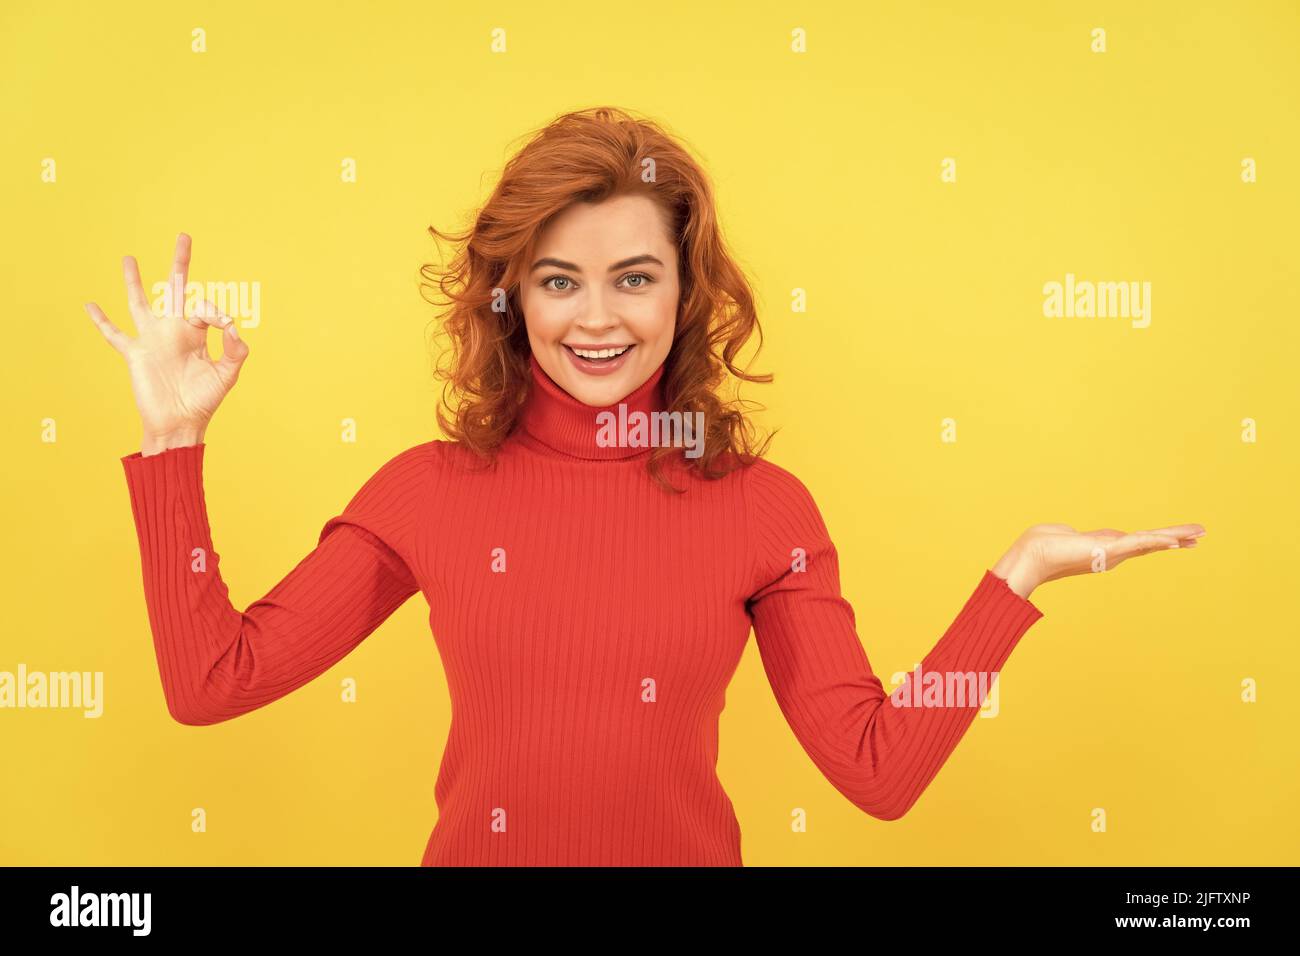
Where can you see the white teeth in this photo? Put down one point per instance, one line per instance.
(601, 353)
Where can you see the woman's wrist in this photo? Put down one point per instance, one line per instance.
(1019, 570)
(181, 437)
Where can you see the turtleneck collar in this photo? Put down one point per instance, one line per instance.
(559, 421)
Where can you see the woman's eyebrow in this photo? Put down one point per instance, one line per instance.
(621, 264)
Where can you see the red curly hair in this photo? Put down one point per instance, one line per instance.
(590, 155)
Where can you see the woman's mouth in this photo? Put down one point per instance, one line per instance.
(598, 359)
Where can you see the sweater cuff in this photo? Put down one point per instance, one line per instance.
(993, 587)
(167, 492)
(180, 451)
(987, 629)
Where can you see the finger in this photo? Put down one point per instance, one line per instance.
(112, 334)
(1138, 543)
(205, 315)
(135, 296)
(180, 274)
(1179, 531)
(1105, 533)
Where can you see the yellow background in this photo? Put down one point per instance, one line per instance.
(925, 302)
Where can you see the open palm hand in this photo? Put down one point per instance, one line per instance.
(1046, 552)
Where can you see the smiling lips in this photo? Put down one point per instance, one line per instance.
(598, 360)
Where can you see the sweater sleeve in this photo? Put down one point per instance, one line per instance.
(217, 662)
(878, 753)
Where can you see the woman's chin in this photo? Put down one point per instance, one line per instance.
(603, 393)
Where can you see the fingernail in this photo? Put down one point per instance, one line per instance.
(233, 331)
(1174, 545)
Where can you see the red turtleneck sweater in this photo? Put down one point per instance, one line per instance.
(588, 623)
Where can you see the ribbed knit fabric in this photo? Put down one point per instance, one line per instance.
(588, 623)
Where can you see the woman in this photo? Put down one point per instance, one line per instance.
(592, 568)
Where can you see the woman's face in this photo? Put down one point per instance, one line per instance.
(603, 279)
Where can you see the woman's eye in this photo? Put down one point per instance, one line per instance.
(637, 280)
